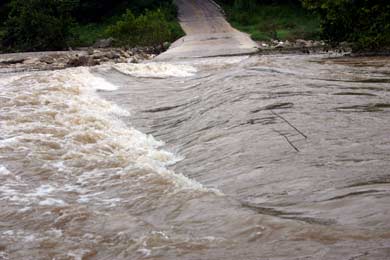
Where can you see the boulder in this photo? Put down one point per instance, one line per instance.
(82, 61)
(47, 59)
(32, 61)
(125, 54)
(301, 43)
(166, 45)
(280, 45)
(112, 55)
(12, 61)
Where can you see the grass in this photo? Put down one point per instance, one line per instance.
(278, 22)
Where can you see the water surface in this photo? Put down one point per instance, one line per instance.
(263, 157)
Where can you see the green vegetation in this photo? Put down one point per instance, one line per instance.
(365, 23)
(88, 34)
(151, 28)
(34, 25)
(37, 25)
(267, 20)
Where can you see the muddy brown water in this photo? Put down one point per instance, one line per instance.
(262, 157)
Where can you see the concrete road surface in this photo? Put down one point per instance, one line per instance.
(208, 34)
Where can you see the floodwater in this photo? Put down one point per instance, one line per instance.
(262, 157)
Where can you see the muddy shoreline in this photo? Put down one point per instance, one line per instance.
(55, 60)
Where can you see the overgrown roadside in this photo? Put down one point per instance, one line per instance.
(275, 24)
(360, 26)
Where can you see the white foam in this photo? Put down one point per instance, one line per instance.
(23, 210)
(52, 202)
(97, 83)
(9, 233)
(60, 166)
(29, 238)
(81, 114)
(4, 170)
(7, 79)
(145, 252)
(42, 191)
(54, 233)
(8, 141)
(156, 70)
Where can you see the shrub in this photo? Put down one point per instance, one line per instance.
(244, 5)
(151, 28)
(35, 25)
(365, 23)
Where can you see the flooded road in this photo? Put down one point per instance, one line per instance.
(262, 157)
(208, 34)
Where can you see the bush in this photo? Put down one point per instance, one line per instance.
(268, 20)
(151, 28)
(35, 25)
(96, 11)
(365, 23)
(244, 5)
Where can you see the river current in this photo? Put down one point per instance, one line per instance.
(260, 157)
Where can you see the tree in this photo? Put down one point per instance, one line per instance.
(34, 25)
(151, 28)
(365, 23)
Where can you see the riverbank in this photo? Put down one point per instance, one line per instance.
(33, 61)
(58, 60)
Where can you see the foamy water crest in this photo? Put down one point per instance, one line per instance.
(156, 70)
(62, 125)
(66, 156)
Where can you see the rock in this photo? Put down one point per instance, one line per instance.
(47, 60)
(78, 61)
(309, 44)
(104, 43)
(135, 51)
(134, 60)
(98, 56)
(300, 43)
(31, 61)
(305, 51)
(82, 61)
(317, 44)
(125, 54)
(122, 60)
(280, 45)
(12, 61)
(166, 45)
(112, 55)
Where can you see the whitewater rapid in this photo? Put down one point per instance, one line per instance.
(185, 160)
